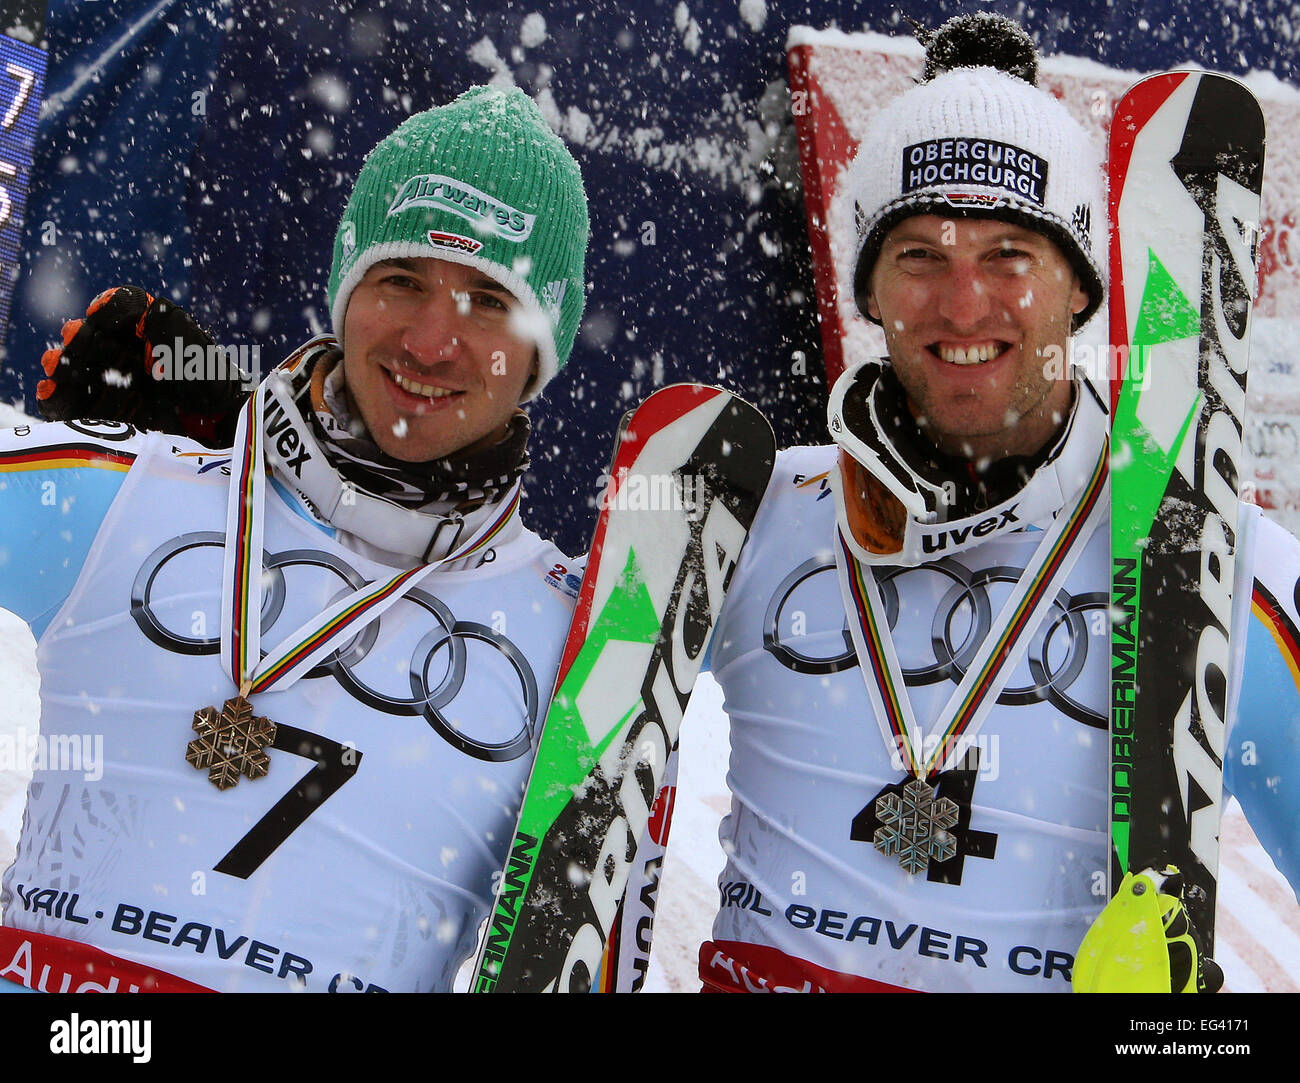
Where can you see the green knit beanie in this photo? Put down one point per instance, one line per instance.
(483, 182)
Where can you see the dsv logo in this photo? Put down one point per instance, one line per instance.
(1056, 657)
(447, 638)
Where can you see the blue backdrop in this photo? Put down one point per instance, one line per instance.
(205, 149)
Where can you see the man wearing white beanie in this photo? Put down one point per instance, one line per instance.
(915, 648)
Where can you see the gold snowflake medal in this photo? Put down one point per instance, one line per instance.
(231, 742)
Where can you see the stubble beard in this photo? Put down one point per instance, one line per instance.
(1037, 406)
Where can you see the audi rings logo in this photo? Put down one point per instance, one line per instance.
(115, 431)
(440, 650)
(1056, 656)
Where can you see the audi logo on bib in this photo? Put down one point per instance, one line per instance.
(438, 665)
(962, 618)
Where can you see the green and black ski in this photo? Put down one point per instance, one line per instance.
(1186, 165)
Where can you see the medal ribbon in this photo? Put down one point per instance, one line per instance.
(997, 656)
(241, 602)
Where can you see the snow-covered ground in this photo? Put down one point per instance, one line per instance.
(1259, 921)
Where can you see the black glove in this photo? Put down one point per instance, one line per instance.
(126, 362)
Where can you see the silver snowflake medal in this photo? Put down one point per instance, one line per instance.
(230, 743)
(914, 825)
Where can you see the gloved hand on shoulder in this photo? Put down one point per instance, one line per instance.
(126, 361)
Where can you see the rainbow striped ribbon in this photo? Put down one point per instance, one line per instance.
(241, 603)
(965, 712)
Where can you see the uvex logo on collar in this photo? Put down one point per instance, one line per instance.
(293, 453)
(488, 215)
(974, 161)
(936, 541)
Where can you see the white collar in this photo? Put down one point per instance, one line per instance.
(384, 530)
(857, 427)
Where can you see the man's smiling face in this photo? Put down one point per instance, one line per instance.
(432, 359)
(970, 308)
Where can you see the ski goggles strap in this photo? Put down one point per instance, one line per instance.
(894, 509)
(878, 528)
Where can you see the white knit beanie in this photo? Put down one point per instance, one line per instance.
(978, 141)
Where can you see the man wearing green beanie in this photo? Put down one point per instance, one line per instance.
(308, 707)
(482, 183)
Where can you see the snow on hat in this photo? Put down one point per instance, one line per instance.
(978, 138)
(481, 181)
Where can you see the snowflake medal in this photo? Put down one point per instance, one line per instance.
(230, 743)
(915, 825)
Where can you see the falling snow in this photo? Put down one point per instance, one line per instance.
(533, 31)
(729, 165)
(754, 13)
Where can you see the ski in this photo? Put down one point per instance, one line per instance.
(1186, 165)
(690, 466)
